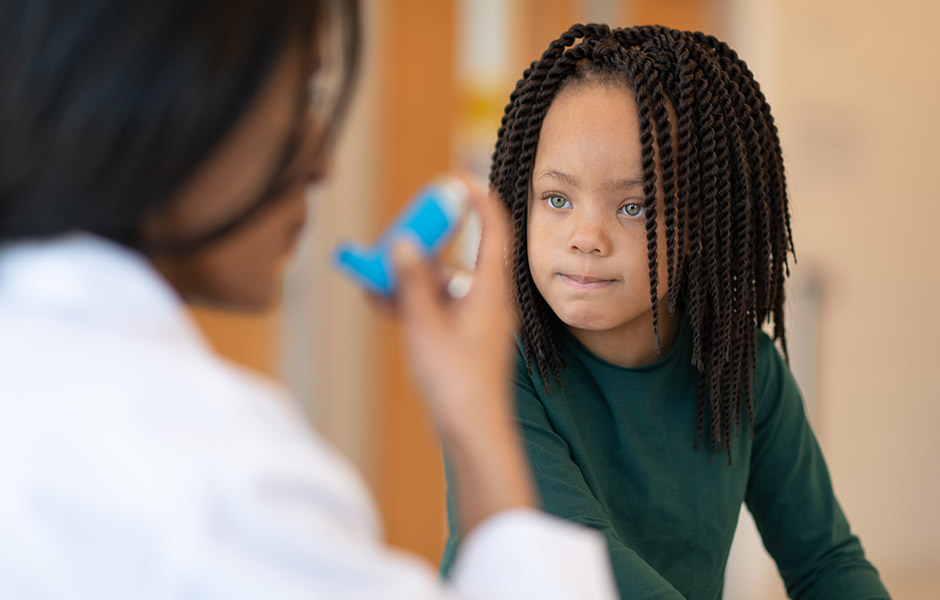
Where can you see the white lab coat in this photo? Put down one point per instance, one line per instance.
(136, 464)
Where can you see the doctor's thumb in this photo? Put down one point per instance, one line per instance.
(418, 290)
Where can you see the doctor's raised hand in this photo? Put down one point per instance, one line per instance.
(460, 351)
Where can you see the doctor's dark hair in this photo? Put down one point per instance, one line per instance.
(725, 208)
(108, 106)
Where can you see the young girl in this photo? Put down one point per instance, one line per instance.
(643, 174)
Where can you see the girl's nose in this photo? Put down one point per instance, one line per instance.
(589, 236)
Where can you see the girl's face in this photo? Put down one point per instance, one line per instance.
(587, 242)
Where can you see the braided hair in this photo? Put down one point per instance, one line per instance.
(725, 210)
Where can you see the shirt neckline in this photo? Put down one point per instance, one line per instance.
(579, 348)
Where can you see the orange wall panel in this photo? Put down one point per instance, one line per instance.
(247, 339)
(419, 111)
(691, 15)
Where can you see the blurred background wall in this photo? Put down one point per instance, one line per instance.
(854, 85)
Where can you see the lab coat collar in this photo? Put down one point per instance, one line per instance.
(93, 281)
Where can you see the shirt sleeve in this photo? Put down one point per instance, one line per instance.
(790, 495)
(315, 553)
(244, 505)
(506, 557)
(308, 529)
(564, 492)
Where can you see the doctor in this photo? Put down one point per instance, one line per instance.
(154, 152)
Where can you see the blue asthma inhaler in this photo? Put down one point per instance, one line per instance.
(428, 222)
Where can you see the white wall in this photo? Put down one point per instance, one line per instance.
(855, 88)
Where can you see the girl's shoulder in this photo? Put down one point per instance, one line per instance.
(775, 388)
(770, 361)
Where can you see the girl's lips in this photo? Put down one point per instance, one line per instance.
(584, 282)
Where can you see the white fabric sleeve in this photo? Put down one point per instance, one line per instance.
(297, 536)
(528, 554)
(267, 526)
(298, 522)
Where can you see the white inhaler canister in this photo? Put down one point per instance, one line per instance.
(430, 219)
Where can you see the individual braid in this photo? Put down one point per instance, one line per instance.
(667, 154)
(724, 205)
(643, 81)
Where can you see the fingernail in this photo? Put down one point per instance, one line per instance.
(460, 284)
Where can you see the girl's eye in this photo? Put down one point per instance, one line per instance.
(557, 202)
(632, 210)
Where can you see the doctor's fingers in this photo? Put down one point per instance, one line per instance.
(491, 278)
(418, 301)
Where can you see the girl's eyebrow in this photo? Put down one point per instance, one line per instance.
(624, 183)
(630, 181)
(560, 176)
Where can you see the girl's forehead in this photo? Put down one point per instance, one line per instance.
(600, 112)
(590, 106)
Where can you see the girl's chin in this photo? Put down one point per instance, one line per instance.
(602, 321)
(585, 322)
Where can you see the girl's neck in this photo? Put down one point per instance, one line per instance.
(633, 344)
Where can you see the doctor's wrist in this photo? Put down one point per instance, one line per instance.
(491, 471)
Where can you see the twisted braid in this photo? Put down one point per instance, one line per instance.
(642, 78)
(655, 71)
(724, 206)
(671, 182)
(709, 319)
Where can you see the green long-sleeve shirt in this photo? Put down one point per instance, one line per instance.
(612, 448)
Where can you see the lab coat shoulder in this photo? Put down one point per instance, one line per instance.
(149, 456)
